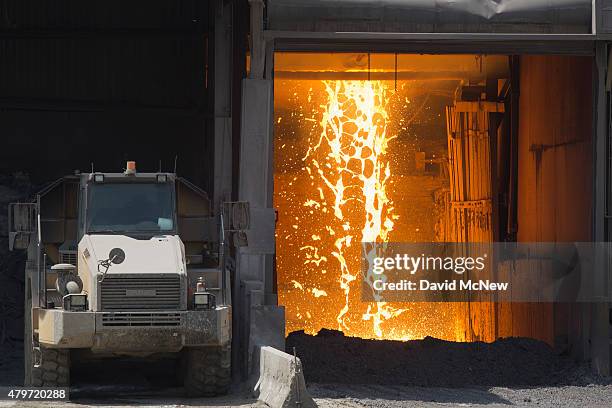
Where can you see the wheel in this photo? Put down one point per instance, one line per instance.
(207, 371)
(54, 370)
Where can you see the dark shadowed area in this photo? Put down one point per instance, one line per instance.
(331, 357)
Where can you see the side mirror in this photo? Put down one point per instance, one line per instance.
(21, 224)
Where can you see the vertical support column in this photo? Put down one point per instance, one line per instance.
(270, 289)
(598, 313)
(595, 16)
(223, 118)
(261, 320)
(258, 320)
(255, 172)
(258, 52)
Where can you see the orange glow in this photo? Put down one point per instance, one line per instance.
(343, 150)
(355, 172)
(130, 167)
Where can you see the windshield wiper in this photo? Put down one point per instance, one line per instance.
(137, 232)
(107, 231)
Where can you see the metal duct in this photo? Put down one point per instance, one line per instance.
(431, 16)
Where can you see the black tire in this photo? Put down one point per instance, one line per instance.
(54, 370)
(207, 371)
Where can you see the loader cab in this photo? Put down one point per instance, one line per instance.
(137, 205)
(140, 205)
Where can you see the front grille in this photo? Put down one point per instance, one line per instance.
(68, 257)
(139, 292)
(135, 319)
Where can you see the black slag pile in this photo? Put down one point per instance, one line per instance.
(331, 357)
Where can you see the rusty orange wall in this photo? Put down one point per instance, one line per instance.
(554, 199)
(555, 185)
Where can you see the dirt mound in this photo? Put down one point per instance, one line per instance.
(331, 357)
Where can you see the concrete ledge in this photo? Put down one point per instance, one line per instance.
(281, 381)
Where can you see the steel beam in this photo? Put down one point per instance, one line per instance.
(223, 118)
(257, 303)
(434, 43)
(598, 313)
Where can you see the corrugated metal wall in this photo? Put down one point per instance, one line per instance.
(135, 52)
(104, 80)
(101, 14)
(151, 72)
(428, 16)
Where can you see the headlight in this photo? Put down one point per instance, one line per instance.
(75, 302)
(203, 300)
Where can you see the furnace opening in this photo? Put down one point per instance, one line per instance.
(419, 148)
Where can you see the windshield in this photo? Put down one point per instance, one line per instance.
(130, 207)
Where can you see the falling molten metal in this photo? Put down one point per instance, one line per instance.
(349, 172)
(355, 172)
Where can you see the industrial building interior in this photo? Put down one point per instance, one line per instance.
(426, 148)
(412, 146)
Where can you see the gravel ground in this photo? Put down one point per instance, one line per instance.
(582, 389)
(330, 395)
(401, 396)
(143, 402)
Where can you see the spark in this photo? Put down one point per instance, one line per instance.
(318, 293)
